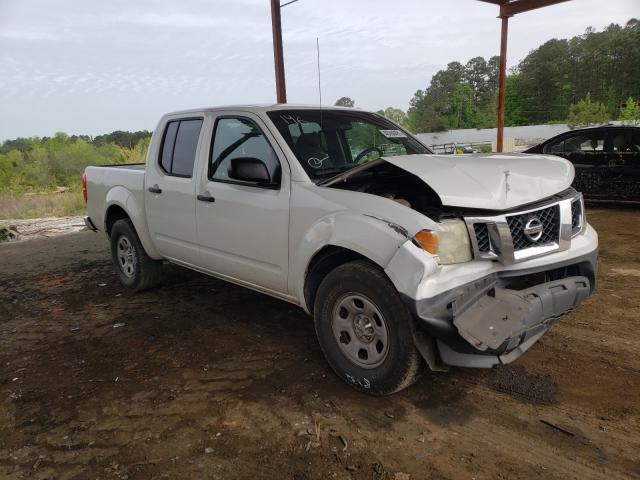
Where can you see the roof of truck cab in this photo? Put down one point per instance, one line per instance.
(263, 108)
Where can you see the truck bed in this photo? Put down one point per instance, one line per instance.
(103, 179)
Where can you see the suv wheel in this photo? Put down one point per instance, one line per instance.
(364, 329)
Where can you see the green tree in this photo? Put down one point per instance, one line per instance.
(476, 74)
(545, 87)
(429, 109)
(514, 106)
(551, 78)
(630, 112)
(395, 115)
(586, 112)
(345, 102)
(462, 110)
(561, 72)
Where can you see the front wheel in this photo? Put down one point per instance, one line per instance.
(136, 270)
(364, 329)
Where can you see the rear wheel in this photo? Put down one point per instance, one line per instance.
(364, 329)
(136, 270)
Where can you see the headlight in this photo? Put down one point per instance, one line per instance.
(450, 244)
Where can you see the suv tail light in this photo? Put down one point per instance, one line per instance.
(84, 187)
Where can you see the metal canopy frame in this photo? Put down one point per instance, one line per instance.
(278, 56)
(508, 8)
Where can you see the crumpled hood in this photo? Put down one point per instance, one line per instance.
(493, 181)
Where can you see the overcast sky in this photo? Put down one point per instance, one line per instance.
(84, 66)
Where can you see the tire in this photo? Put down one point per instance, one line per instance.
(136, 270)
(364, 329)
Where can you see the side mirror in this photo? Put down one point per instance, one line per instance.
(249, 169)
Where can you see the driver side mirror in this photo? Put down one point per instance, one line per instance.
(249, 169)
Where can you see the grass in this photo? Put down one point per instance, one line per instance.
(17, 206)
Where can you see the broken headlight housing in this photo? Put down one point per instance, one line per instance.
(450, 244)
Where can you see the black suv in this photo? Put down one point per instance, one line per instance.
(606, 159)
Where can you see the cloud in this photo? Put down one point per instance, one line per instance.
(26, 35)
(89, 66)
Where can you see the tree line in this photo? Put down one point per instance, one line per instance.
(40, 164)
(119, 137)
(589, 78)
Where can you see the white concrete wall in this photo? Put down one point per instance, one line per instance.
(527, 135)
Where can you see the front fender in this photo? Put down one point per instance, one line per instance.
(409, 268)
(370, 236)
(123, 198)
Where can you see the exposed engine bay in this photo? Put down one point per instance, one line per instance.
(388, 181)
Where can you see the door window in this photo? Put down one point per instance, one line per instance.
(626, 141)
(167, 146)
(179, 147)
(588, 142)
(583, 148)
(238, 138)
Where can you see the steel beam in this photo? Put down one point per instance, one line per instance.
(508, 9)
(278, 57)
(502, 77)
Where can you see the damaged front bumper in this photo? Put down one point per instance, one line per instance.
(504, 323)
(495, 317)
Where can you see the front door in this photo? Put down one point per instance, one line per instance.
(170, 186)
(243, 227)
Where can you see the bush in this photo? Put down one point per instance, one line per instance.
(586, 112)
(42, 164)
(630, 112)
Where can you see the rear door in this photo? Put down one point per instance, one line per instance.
(243, 228)
(170, 191)
(586, 150)
(624, 162)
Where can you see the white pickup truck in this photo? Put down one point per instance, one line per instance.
(403, 257)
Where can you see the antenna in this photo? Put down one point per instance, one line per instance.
(319, 79)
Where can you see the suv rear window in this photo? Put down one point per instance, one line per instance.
(179, 147)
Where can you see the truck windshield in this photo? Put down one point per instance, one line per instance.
(329, 142)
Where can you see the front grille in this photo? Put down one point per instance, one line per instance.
(502, 237)
(482, 237)
(550, 219)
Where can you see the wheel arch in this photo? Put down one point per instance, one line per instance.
(114, 213)
(339, 238)
(120, 204)
(324, 261)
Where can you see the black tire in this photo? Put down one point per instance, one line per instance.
(140, 272)
(401, 365)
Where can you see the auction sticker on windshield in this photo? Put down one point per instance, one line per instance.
(393, 133)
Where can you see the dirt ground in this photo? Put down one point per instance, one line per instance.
(202, 379)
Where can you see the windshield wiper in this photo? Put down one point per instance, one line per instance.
(350, 172)
(332, 172)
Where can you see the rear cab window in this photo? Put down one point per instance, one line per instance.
(179, 146)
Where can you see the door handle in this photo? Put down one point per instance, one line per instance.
(206, 198)
(155, 189)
